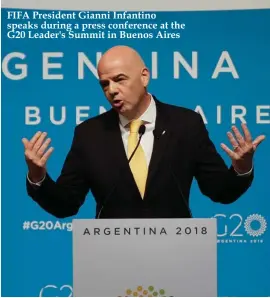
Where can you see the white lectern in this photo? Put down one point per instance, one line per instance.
(144, 257)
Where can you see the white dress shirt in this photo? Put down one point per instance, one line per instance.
(147, 140)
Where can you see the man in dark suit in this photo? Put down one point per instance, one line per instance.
(153, 182)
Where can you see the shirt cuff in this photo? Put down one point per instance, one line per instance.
(245, 174)
(36, 183)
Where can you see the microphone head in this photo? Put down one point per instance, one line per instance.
(142, 129)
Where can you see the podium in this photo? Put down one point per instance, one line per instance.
(144, 257)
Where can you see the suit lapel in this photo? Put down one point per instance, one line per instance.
(161, 137)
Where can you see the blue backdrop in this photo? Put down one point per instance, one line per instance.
(36, 247)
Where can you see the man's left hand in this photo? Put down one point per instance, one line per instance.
(243, 149)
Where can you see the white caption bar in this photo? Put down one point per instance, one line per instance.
(138, 5)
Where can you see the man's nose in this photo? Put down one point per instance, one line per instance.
(113, 88)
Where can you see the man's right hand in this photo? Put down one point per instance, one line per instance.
(35, 155)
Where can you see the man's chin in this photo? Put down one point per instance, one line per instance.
(122, 110)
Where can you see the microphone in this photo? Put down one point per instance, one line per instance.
(180, 191)
(141, 132)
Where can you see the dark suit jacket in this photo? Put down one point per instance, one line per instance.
(97, 162)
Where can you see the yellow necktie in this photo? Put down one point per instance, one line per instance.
(138, 163)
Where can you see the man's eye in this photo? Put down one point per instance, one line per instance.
(103, 86)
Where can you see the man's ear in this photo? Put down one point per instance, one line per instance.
(145, 76)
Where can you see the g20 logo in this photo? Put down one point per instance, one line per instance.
(54, 291)
(254, 225)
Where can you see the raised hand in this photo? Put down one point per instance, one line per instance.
(36, 155)
(243, 149)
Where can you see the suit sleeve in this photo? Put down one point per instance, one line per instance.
(63, 197)
(215, 179)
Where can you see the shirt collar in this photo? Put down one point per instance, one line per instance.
(148, 116)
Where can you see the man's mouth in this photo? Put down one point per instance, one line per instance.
(117, 103)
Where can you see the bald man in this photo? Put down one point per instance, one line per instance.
(138, 159)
